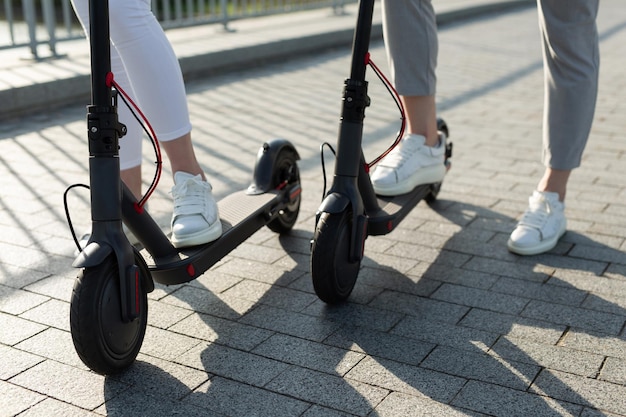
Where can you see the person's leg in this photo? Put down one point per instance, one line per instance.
(410, 34)
(154, 78)
(130, 143)
(571, 67)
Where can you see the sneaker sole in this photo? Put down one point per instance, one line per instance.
(200, 238)
(429, 175)
(543, 247)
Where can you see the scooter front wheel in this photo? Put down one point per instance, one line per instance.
(104, 342)
(334, 274)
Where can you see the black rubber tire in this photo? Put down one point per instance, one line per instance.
(286, 169)
(334, 276)
(103, 341)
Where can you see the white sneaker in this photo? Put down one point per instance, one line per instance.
(195, 219)
(408, 165)
(541, 226)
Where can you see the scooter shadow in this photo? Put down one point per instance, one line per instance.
(459, 326)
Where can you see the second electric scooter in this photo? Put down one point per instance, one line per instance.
(351, 210)
(109, 306)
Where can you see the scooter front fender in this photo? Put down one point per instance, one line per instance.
(262, 179)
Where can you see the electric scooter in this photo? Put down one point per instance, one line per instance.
(109, 305)
(351, 211)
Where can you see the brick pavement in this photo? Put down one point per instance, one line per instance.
(443, 320)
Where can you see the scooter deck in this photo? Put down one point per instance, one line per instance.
(394, 209)
(241, 215)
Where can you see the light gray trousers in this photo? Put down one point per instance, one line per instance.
(571, 65)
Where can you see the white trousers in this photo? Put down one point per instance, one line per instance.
(144, 64)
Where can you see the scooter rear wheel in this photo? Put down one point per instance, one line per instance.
(103, 341)
(286, 173)
(333, 274)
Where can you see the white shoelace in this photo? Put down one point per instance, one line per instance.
(190, 197)
(536, 215)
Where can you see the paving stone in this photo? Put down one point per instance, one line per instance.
(19, 361)
(68, 384)
(355, 314)
(232, 364)
(589, 392)
(439, 333)
(17, 399)
(549, 356)
(221, 331)
(495, 400)
(329, 391)
(482, 367)
(231, 398)
(473, 297)
(419, 306)
(380, 345)
(576, 317)
(15, 329)
(295, 324)
(614, 370)
(397, 377)
(14, 301)
(52, 407)
(53, 344)
(308, 354)
(400, 404)
(514, 326)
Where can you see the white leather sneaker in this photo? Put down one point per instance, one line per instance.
(195, 219)
(541, 226)
(408, 165)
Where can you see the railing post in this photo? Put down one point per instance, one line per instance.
(225, 20)
(8, 12)
(29, 17)
(50, 22)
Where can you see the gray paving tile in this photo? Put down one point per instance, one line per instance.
(419, 306)
(473, 297)
(380, 345)
(231, 398)
(397, 377)
(53, 344)
(444, 334)
(17, 399)
(223, 332)
(514, 326)
(19, 361)
(308, 354)
(355, 314)
(295, 324)
(495, 400)
(52, 407)
(400, 404)
(580, 390)
(15, 301)
(484, 367)
(576, 317)
(329, 391)
(70, 385)
(232, 364)
(549, 356)
(15, 329)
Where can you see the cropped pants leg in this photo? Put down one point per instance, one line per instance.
(571, 67)
(410, 33)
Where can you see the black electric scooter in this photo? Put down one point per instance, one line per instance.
(351, 210)
(109, 305)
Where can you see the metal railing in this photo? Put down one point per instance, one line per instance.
(33, 23)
